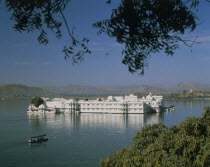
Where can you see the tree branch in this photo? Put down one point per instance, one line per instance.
(67, 26)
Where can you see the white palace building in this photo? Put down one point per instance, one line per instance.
(113, 104)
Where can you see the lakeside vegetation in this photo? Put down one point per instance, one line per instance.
(186, 94)
(37, 101)
(158, 145)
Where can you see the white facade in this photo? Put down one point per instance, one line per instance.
(113, 104)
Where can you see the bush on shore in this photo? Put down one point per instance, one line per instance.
(158, 145)
(37, 101)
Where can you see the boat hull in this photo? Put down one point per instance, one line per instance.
(37, 140)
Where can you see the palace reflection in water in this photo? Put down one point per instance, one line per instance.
(77, 139)
(117, 121)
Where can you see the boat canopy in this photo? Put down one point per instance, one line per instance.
(38, 136)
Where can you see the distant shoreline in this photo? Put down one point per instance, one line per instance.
(188, 98)
(92, 97)
(15, 91)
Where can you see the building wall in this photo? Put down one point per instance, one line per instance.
(119, 104)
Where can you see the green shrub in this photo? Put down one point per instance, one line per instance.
(37, 101)
(158, 145)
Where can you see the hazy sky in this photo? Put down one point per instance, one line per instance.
(25, 61)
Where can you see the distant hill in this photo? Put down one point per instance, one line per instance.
(80, 90)
(103, 90)
(134, 88)
(188, 86)
(17, 90)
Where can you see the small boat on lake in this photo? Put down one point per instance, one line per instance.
(171, 108)
(38, 139)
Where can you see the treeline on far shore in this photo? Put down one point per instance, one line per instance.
(186, 94)
(38, 92)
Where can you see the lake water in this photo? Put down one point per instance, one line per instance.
(76, 140)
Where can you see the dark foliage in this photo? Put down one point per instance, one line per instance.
(37, 101)
(146, 27)
(158, 145)
(41, 15)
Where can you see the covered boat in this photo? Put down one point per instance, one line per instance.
(38, 139)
